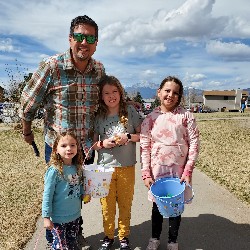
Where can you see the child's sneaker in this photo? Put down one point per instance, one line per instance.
(153, 244)
(106, 243)
(173, 246)
(124, 244)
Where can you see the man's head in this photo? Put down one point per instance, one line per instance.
(83, 20)
(83, 38)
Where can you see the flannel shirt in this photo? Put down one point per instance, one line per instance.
(70, 97)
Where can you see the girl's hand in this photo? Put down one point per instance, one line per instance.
(122, 139)
(48, 224)
(86, 198)
(109, 143)
(187, 179)
(148, 182)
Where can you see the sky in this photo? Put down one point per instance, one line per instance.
(205, 43)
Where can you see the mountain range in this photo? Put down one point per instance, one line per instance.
(150, 91)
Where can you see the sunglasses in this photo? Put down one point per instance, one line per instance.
(79, 37)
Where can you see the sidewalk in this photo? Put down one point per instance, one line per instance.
(216, 220)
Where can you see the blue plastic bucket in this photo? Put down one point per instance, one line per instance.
(169, 196)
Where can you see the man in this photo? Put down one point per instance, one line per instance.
(243, 104)
(67, 85)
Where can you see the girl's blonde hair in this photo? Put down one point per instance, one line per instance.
(57, 161)
(103, 109)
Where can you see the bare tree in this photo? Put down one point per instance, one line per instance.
(17, 78)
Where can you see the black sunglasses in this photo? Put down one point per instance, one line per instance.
(79, 37)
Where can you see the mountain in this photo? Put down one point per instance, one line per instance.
(149, 91)
(146, 92)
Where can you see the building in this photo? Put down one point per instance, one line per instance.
(227, 99)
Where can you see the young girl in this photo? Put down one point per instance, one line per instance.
(61, 206)
(117, 129)
(169, 148)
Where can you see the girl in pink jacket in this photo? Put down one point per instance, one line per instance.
(169, 148)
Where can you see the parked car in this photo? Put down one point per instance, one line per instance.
(209, 110)
(9, 112)
(147, 111)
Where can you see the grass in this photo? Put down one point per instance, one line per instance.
(21, 182)
(224, 154)
(224, 157)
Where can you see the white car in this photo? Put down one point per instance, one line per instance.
(9, 112)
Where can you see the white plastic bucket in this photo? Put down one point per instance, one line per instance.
(96, 180)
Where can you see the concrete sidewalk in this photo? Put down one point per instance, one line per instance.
(216, 220)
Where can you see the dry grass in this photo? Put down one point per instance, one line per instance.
(224, 157)
(224, 154)
(21, 185)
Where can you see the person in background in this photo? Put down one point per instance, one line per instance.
(63, 192)
(117, 129)
(169, 148)
(243, 105)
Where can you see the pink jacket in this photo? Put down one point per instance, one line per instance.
(169, 143)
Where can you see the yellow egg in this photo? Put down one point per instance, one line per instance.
(86, 198)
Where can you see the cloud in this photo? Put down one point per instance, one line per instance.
(232, 51)
(149, 72)
(191, 21)
(140, 41)
(197, 85)
(6, 46)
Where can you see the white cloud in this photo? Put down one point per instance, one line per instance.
(6, 46)
(142, 40)
(229, 51)
(149, 72)
(197, 77)
(197, 85)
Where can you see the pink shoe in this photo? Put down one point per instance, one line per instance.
(153, 244)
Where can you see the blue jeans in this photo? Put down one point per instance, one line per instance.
(48, 151)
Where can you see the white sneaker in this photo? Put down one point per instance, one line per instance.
(153, 244)
(172, 246)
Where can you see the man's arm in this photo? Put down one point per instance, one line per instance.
(28, 135)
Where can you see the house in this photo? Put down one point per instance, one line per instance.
(227, 99)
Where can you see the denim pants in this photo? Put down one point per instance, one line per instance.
(48, 151)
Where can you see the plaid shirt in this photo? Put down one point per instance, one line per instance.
(70, 97)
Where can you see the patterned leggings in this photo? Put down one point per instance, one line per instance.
(65, 235)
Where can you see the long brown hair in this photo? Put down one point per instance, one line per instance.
(103, 109)
(177, 81)
(56, 159)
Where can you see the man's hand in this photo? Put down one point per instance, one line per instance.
(29, 138)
